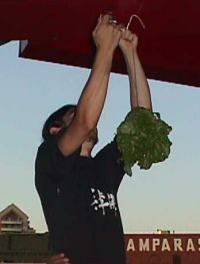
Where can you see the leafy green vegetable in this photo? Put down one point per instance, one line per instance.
(142, 138)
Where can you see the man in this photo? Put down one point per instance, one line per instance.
(79, 193)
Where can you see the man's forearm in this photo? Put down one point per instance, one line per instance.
(92, 99)
(139, 88)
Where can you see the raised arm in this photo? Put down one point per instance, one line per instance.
(106, 37)
(139, 89)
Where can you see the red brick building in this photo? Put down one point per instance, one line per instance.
(163, 248)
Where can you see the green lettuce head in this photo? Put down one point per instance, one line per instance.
(142, 139)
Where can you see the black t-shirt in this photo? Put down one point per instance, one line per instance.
(79, 200)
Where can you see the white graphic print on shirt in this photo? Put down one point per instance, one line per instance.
(103, 200)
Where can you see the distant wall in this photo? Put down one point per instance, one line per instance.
(24, 247)
(141, 249)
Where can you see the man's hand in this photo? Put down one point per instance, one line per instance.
(128, 42)
(58, 259)
(106, 34)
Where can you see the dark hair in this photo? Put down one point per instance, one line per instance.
(55, 119)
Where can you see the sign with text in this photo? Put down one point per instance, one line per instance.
(163, 249)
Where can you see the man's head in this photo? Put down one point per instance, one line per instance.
(58, 122)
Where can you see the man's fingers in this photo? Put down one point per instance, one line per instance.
(98, 23)
(113, 22)
(58, 259)
(103, 19)
(55, 257)
(62, 261)
(118, 31)
(131, 38)
(122, 27)
(107, 18)
(100, 18)
(127, 34)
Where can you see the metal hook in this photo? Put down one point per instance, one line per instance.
(138, 18)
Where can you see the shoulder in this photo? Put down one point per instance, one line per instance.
(45, 149)
(52, 164)
(50, 148)
(109, 150)
(49, 154)
(43, 154)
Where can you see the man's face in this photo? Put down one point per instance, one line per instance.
(68, 117)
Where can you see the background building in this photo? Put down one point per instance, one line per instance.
(14, 220)
(20, 243)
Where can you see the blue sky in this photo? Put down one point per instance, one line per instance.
(166, 196)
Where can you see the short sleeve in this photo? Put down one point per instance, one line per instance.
(110, 158)
(53, 163)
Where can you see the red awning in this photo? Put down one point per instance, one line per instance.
(60, 31)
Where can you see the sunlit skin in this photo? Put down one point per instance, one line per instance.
(58, 259)
(107, 36)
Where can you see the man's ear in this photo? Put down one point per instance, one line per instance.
(54, 130)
